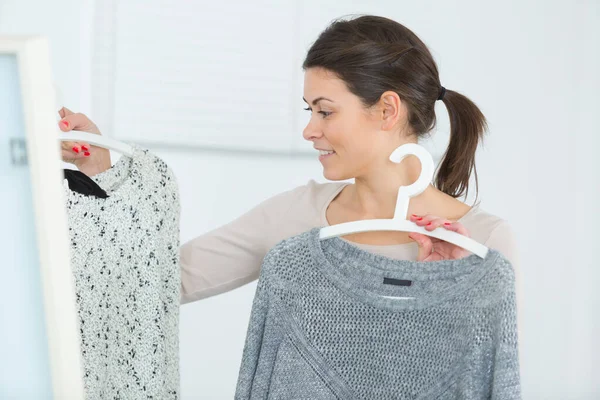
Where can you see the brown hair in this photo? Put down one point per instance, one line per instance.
(373, 55)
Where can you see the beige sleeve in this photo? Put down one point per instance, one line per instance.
(231, 255)
(503, 239)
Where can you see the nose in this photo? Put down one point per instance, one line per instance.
(312, 131)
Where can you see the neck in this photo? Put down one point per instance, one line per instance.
(376, 193)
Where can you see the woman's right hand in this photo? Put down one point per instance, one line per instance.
(90, 160)
(432, 249)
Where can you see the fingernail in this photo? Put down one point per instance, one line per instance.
(429, 224)
(87, 154)
(65, 124)
(447, 223)
(84, 148)
(76, 149)
(419, 219)
(414, 215)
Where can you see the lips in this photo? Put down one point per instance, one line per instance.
(326, 152)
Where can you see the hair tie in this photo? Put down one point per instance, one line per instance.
(442, 93)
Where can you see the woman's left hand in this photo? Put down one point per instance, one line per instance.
(433, 249)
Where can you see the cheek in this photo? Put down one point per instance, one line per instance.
(350, 136)
(340, 133)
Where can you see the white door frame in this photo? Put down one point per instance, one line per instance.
(43, 154)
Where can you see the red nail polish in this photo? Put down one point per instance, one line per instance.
(419, 219)
(87, 154)
(429, 224)
(65, 123)
(76, 149)
(84, 148)
(447, 223)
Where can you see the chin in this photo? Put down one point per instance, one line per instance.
(335, 175)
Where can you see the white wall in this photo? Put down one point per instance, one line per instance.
(67, 24)
(537, 82)
(213, 330)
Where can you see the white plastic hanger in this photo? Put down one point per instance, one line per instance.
(97, 140)
(399, 221)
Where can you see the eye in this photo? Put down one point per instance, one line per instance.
(325, 114)
(307, 109)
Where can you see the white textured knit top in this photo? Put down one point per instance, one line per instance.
(125, 261)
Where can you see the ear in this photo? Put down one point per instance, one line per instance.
(392, 109)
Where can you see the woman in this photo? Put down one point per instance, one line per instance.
(371, 85)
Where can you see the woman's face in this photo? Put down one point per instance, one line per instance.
(347, 134)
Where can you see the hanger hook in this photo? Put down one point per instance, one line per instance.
(422, 182)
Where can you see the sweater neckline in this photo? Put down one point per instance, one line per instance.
(115, 180)
(469, 269)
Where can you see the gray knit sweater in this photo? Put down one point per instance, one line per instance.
(332, 321)
(125, 261)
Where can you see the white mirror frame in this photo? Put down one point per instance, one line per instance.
(43, 154)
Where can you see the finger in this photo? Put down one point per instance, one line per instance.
(456, 227)
(64, 125)
(414, 217)
(425, 245)
(428, 221)
(452, 251)
(71, 157)
(77, 122)
(63, 112)
(421, 220)
(434, 223)
(445, 250)
(72, 149)
(68, 145)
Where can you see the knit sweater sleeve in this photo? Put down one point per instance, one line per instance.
(506, 375)
(503, 239)
(254, 337)
(262, 341)
(170, 278)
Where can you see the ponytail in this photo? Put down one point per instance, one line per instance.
(467, 126)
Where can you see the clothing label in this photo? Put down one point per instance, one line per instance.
(396, 282)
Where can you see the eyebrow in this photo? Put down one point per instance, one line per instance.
(318, 99)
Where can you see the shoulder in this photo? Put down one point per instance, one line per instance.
(503, 269)
(497, 284)
(497, 234)
(148, 167)
(312, 192)
(290, 247)
(288, 257)
(287, 213)
(481, 223)
(159, 175)
(493, 231)
(305, 202)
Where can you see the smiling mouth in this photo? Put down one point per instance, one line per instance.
(325, 153)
